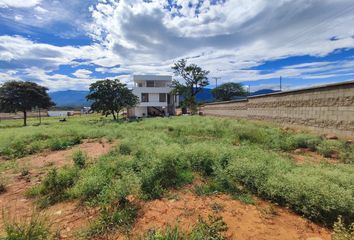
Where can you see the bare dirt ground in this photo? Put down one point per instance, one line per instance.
(64, 217)
(183, 208)
(244, 221)
(305, 155)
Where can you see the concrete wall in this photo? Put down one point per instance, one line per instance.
(325, 109)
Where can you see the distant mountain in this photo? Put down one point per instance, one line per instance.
(263, 91)
(70, 98)
(205, 95)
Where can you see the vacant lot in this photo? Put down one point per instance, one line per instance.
(172, 178)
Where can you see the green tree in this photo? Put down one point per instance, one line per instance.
(227, 91)
(195, 80)
(20, 96)
(111, 97)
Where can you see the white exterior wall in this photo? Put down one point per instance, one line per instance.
(161, 85)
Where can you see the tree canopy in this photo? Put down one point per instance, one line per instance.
(23, 96)
(227, 91)
(195, 79)
(111, 97)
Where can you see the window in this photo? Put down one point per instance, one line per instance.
(144, 97)
(162, 97)
(140, 84)
(150, 84)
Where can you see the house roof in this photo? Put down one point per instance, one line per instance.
(152, 77)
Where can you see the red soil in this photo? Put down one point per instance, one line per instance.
(64, 217)
(259, 221)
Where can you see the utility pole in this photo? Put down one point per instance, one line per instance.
(216, 81)
(280, 83)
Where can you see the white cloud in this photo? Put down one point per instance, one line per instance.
(19, 3)
(82, 73)
(226, 37)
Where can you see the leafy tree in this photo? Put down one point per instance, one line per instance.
(227, 91)
(111, 97)
(23, 96)
(195, 80)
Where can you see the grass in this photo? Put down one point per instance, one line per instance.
(33, 229)
(239, 158)
(210, 229)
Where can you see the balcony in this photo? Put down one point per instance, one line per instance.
(138, 90)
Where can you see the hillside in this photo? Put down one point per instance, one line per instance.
(70, 98)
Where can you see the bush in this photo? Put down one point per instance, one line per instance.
(341, 231)
(321, 193)
(33, 229)
(165, 173)
(79, 158)
(168, 234)
(209, 229)
(347, 155)
(328, 148)
(125, 149)
(64, 142)
(54, 186)
(293, 142)
(112, 218)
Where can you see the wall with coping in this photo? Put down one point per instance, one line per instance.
(326, 109)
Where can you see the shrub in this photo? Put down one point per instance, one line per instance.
(301, 141)
(79, 158)
(64, 142)
(347, 155)
(54, 186)
(112, 218)
(166, 173)
(330, 147)
(341, 231)
(168, 234)
(125, 149)
(33, 229)
(211, 229)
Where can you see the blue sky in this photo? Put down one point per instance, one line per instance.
(69, 44)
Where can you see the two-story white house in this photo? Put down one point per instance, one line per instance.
(154, 92)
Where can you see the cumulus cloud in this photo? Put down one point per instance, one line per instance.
(82, 73)
(230, 38)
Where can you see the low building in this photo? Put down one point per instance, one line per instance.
(155, 98)
(60, 113)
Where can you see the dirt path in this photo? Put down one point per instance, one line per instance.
(245, 222)
(67, 216)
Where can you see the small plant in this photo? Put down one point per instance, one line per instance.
(209, 230)
(268, 211)
(33, 229)
(112, 218)
(342, 232)
(79, 158)
(24, 172)
(125, 149)
(328, 148)
(54, 186)
(217, 207)
(169, 234)
(2, 185)
(203, 230)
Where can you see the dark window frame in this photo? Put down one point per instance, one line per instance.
(164, 98)
(144, 97)
(148, 83)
